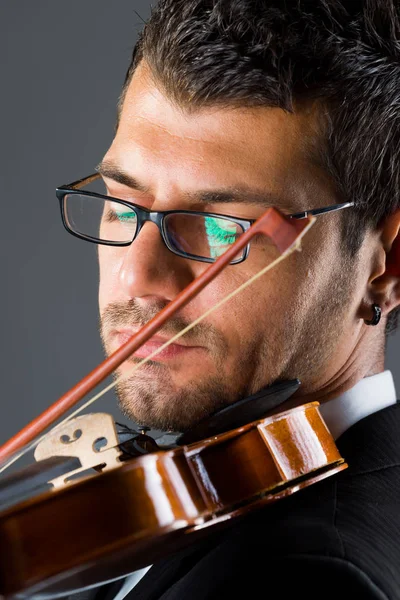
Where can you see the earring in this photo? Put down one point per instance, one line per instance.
(377, 315)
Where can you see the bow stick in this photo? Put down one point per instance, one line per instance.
(285, 233)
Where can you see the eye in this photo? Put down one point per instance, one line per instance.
(125, 217)
(221, 231)
(119, 213)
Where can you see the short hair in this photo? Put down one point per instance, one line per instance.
(272, 53)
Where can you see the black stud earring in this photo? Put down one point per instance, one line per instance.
(377, 315)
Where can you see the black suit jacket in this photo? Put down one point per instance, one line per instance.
(339, 538)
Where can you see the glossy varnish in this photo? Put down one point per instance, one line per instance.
(112, 523)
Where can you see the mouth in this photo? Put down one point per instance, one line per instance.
(173, 351)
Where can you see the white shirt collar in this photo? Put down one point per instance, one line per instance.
(366, 397)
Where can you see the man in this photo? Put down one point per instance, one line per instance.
(230, 107)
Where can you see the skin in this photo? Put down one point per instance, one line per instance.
(304, 319)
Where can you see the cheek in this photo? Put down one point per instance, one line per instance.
(245, 316)
(266, 306)
(110, 261)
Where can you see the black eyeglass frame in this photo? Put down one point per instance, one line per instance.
(158, 218)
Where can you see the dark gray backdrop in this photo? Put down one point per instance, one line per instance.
(62, 67)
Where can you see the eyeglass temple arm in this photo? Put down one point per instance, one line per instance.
(320, 211)
(81, 182)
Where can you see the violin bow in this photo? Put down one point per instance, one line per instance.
(284, 232)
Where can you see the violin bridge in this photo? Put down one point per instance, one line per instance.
(92, 438)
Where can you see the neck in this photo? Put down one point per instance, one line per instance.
(367, 359)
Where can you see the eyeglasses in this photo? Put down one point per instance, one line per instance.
(200, 236)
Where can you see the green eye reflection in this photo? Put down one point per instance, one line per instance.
(220, 234)
(126, 217)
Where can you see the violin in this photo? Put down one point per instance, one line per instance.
(110, 511)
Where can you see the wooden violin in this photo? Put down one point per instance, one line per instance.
(113, 514)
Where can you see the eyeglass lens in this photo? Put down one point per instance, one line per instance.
(190, 234)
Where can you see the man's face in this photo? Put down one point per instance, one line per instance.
(296, 321)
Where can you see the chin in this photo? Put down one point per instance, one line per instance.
(168, 408)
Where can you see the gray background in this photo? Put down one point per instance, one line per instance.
(62, 67)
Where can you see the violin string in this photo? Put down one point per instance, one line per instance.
(295, 246)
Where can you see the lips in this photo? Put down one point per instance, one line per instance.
(154, 344)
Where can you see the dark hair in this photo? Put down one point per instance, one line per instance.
(279, 52)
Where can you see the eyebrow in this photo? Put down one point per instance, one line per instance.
(111, 171)
(242, 194)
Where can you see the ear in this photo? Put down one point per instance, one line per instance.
(392, 235)
(385, 286)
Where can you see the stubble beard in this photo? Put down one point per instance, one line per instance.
(149, 397)
(157, 403)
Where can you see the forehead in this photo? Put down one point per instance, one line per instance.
(214, 146)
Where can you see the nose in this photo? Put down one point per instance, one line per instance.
(150, 270)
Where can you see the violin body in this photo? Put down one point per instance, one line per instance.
(111, 523)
